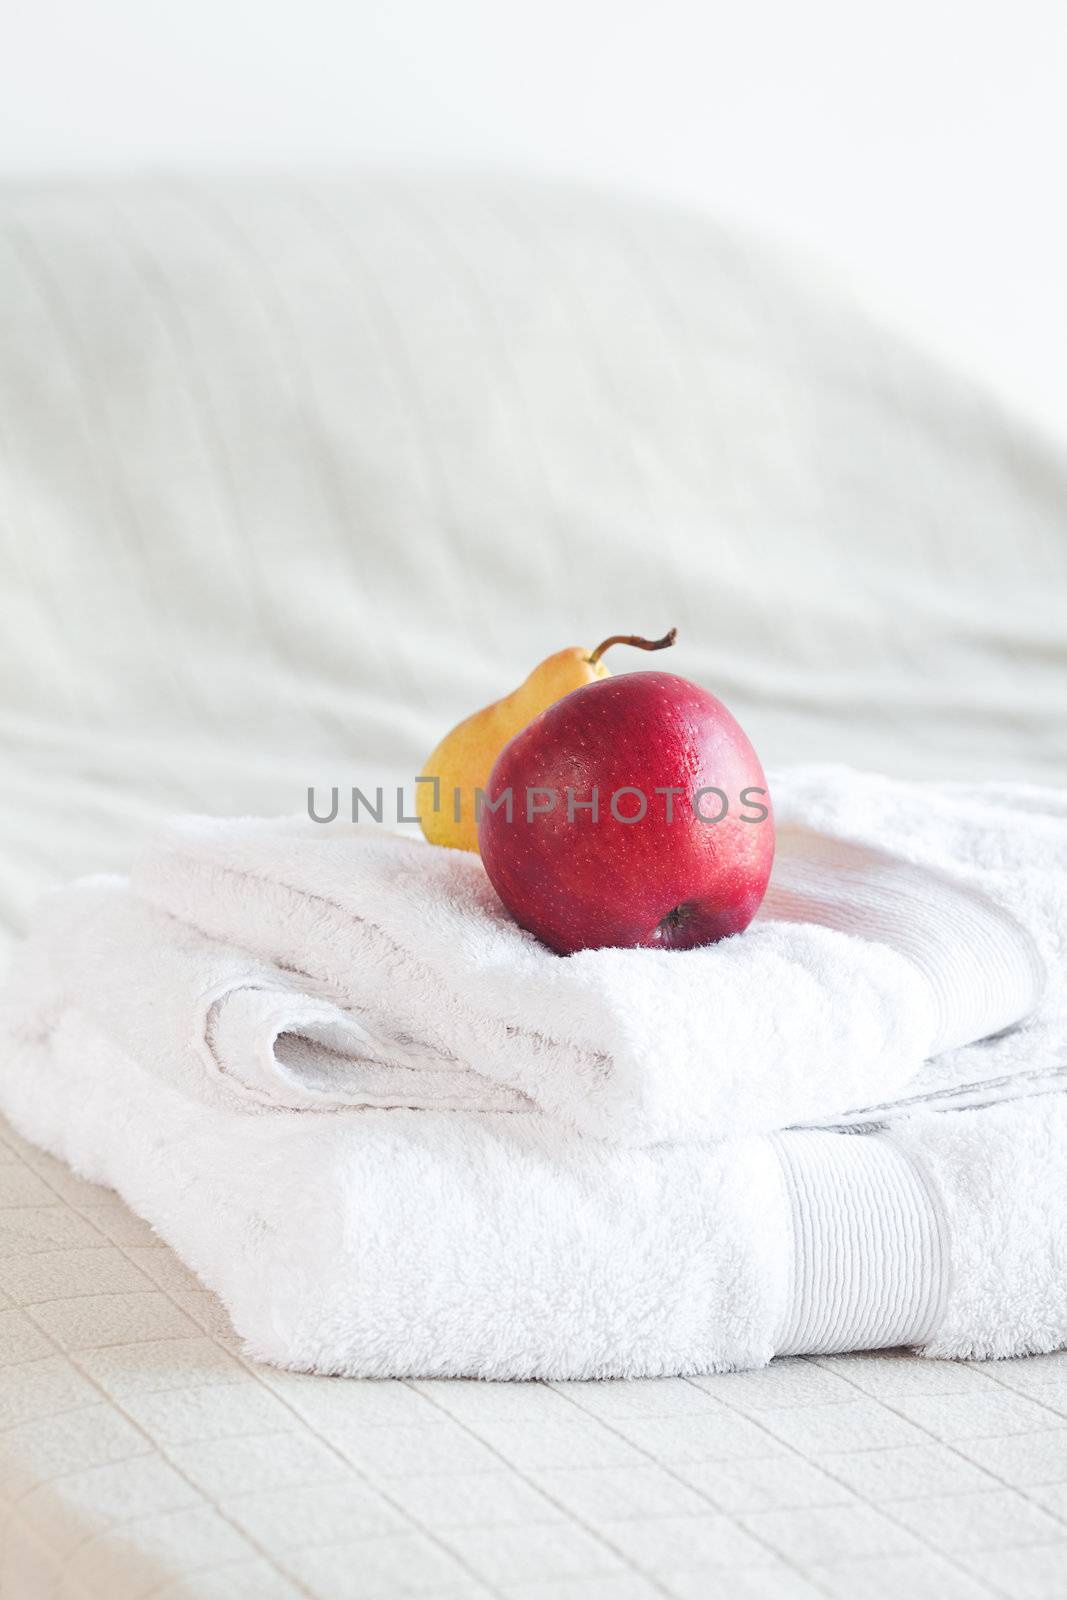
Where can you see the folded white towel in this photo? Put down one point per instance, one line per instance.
(902, 921)
(415, 1243)
(160, 1033)
(291, 966)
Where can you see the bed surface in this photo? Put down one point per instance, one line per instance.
(291, 476)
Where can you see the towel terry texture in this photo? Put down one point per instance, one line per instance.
(521, 1165)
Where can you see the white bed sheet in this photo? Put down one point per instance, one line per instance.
(295, 473)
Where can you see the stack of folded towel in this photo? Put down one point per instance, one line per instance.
(398, 1136)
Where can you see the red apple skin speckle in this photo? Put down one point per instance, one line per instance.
(583, 885)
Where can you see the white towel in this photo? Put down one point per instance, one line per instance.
(284, 965)
(416, 1243)
(356, 968)
(161, 1033)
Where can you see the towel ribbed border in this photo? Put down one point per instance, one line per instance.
(870, 1257)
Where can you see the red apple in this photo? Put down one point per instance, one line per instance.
(679, 848)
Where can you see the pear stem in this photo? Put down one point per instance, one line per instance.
(636, 641)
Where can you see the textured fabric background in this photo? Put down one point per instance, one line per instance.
(293, 474)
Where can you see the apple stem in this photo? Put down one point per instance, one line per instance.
(636, 641)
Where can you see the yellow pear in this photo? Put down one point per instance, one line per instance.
(463, 760)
